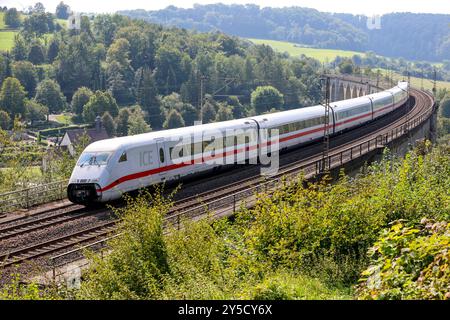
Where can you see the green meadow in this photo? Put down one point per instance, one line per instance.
(6, 35)
(326, 55)
(323, 55)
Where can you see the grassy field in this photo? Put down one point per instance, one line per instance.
(417, 82)
(6, 40)
(323, 55)
(65, 118)
(326, 55)
(6, 35)
(2, 21)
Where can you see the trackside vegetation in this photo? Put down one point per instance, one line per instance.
(313, 241)
(383, 234)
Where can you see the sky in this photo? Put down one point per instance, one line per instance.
(367, 7)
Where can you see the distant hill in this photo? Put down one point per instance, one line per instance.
(407, 35)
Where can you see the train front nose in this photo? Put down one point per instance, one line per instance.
(84, 193)
(85, 184)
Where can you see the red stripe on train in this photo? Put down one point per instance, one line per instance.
(228, 153)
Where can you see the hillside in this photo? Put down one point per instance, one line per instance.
(329, 55)
(420, 37)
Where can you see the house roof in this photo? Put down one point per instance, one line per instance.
(94, 134)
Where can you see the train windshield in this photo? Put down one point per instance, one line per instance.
(94, 159)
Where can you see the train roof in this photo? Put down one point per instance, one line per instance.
(165, 135)
(277, 118)
(350, 103)
(379, 95)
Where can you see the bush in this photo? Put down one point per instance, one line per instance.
(409, 263)
(288, 286)
(303, 241)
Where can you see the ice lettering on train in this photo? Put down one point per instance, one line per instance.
(145, 158)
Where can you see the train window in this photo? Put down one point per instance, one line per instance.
(94, 158)
(123, 157)
(161, 155)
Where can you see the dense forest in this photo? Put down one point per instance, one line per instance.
(407, 35)
(127, 71)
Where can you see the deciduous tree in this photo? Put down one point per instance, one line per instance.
(174, 120)
(12, 97)
(48, 93)
(265, 98)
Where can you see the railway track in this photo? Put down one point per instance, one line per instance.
(196, 202)
(44, 222)
(54, 245)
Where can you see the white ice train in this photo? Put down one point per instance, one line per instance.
(108, 168)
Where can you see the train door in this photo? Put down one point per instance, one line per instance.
(163, 159)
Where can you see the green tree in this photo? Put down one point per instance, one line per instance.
(5, 120)
(147, 97)
(62, 11)
(20, 48)
(12, 97)
(174, 120)
(36, 24)
(48, 93)
(36, 54)
(445, 107)
(53, 50)
(35, 111)
(142, 44)
(80, 99)
(99, 103)
(75, 64)
(119, 71)
(26, 73)
(122, 122)
(136, 122)
(169, 71)
(189, 114)
(38, 8)
(346, 67)
(108, 123)
(238, 108)
(224, 113)
(12, 18)
(208, 112)
(265, 98)
(105, 26)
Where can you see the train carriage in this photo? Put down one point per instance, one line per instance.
(351, 113)
(382, 102)
(108, 168)
(294, 127)
(400, 93)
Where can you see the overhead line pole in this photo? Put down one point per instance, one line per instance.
(325, 155)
